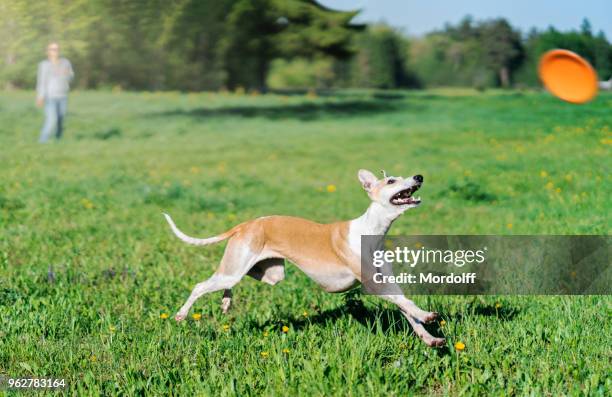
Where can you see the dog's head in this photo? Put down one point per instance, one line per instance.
(392, 192)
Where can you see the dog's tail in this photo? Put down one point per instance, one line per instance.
(193, 240)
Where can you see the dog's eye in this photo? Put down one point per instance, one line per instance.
(390, 181)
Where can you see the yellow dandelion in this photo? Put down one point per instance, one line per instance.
(87, 203)
(305, 313)
(285, 329)
(112, 329)
(93, 358)
(550, 185)
(460, 346)
(226, 327)
(543, 174)
(442, 323)
(264, 354)
(498, 305)
(606, 141)
(331, 188)
(286, 351)
(569, 177)
(558, 190)
(418, 245)
(163, 316)
(509, 225)
(573, 274)
(265, 334)
(196, 316)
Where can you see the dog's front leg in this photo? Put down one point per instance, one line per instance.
(416, 317)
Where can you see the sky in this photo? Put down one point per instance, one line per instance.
(416, 17)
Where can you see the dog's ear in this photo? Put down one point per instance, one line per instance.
(367, 179)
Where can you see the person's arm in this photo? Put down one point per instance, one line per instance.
(69, 70)
(40, 84)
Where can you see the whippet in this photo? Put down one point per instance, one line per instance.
(330, 254)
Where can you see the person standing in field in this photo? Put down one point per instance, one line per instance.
(52, 86)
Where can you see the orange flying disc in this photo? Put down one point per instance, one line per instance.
(568, 76)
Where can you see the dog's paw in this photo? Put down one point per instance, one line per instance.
(436, 342)
(429, 317)
(226, 303)
(179, 317)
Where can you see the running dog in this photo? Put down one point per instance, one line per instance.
(330, 254)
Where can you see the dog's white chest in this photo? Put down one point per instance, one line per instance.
(356, 230)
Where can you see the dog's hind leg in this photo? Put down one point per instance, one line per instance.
(226, 302)
(216, 283)
(236, 262)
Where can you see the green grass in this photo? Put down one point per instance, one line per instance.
(90, 209)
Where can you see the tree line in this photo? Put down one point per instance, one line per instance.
(259, 44)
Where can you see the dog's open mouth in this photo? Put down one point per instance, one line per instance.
(404, 197)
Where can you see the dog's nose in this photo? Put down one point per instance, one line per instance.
(418, 178)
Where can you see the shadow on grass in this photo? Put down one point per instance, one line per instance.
(342, 93)
(374, 319)
(301, 111)
(382, 319)
(478, 309)
(389, 320)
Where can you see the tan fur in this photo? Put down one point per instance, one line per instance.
(328, 253)
(319, 250)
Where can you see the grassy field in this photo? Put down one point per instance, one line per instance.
(89, 270)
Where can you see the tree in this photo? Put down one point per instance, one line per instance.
(191, 39)
(258, 31)
(602, 52)
(382, 59)
(585, 27)
(26, 27)
(184, 44)
(17, 41)
(503, 48)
